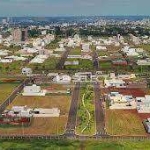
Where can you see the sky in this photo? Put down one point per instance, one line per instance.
(74, 7)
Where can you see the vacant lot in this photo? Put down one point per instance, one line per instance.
(124, 122)
(75, 51)
(6, 89)
(62, 102)
(56, 87)
(11, 68)
(39, 126)
(49, 64)
(49, 125)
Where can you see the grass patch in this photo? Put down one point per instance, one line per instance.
(72, 145)
(49, 64)
(75, 51)
(123, 122)
(6, 89)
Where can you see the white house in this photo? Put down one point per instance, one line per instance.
(130, 51)
(101, 48)
(62, 79)
(143, 62)
(42, 112)
(33, 90)
(4, 52)
(118, 83)
(20, 111)
(71, 62)
(39, 59)
(143, 104)
(27, 71)
(119, 101)
(24, 111)
(85, 47)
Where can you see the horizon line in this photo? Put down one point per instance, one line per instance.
(82, 16)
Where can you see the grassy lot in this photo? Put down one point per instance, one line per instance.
(11, 68)
(145, 47)
(6, 89)
(53, 86)
(75, 51)
(60, 101)
(53, 45)
(72, 145)
(105, 65)
(85, 114)
(102, 53)
(123, 122)
(39, 126)
(83, 65)
(49, 64)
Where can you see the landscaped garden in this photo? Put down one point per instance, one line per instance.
(85, 114)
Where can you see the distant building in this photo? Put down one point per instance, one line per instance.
(20, 35)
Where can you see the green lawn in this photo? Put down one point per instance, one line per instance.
(72, 145)
(11, 68)
(75, 51)
(102, 53)
(124, 122)
(6, 89)
(83, 65)
(49, 64)
(105, 65)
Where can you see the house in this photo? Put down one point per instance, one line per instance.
(16, 58)
(143, 104)
(118, 83)
(27, 71)
(40, 112)
(71, 43)
(84, 77)
(130, 51)
(4, 52)
(146, 124)
(144, 62)
(20, 111)
(71, 63)
(101, 48)
(33, 90)
(120, 101)
(24, 111)
(5, 60)
(62, 79)
(39, 59)
(85, 47)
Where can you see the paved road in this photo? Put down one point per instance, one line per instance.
(95, 60)
(71, 124)
(99, 111)
(61, 62)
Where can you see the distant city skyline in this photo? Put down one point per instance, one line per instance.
(18, 8)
